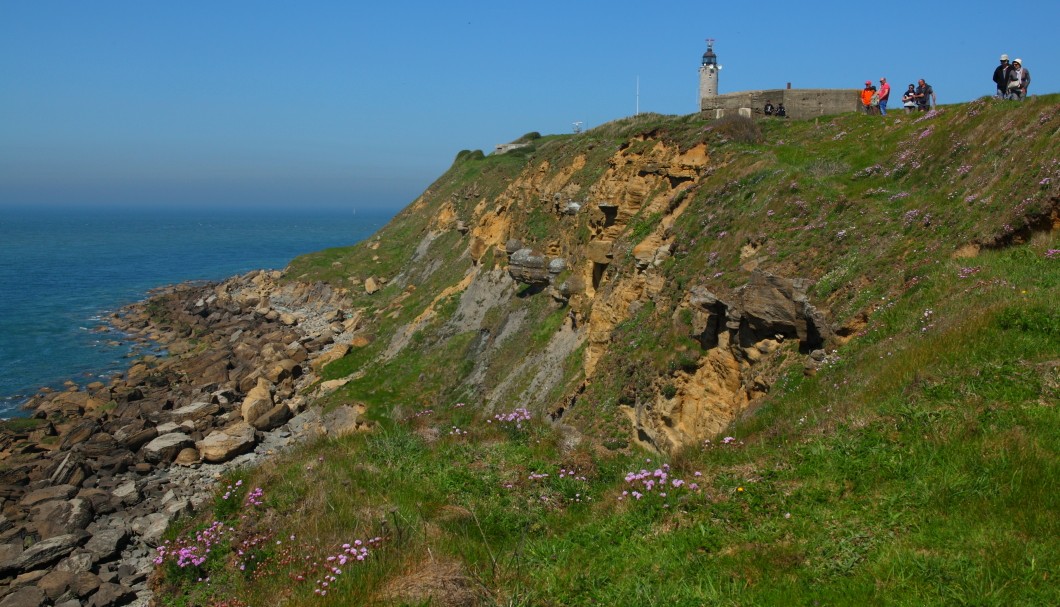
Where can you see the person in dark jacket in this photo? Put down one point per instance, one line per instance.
(925, 96)
(909, 99)
(1001, 77)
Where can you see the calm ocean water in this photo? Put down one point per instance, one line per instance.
(64, 270)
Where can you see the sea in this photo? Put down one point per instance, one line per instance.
(63, 271)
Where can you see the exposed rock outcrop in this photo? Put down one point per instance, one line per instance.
(89, 489)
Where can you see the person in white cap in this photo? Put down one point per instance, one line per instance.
(1001, 77)
(1019, 78)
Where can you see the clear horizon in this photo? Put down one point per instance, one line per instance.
(330, 104)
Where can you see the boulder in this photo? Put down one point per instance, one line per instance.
(258, 401)
(46, 552)
(150, 527)
(55, 492)
(166, 447)
(223, 445)
(282, 370)
(28, 596)
(59, 517)
(342, 421)
(9, 554)
(106, 544)
(55, 583)
(188, 456)
(273, 418)
(138, 439)
(528, 267)
(194, 412)
(111, 594)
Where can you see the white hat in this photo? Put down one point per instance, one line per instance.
(1018, 60)
(1004, 57)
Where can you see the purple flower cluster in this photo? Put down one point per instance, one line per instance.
(231, 489)
(514, 418)
(660, 482)
(192, 552)
(255, 497)
(968, 272)
(350, 553)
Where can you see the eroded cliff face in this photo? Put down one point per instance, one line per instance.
(601, 261)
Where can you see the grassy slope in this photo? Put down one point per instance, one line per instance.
(918, 467)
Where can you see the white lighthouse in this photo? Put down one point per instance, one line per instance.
(708, 73)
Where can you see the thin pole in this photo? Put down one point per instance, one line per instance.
(638, 96)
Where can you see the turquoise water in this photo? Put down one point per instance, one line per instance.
(64, 270)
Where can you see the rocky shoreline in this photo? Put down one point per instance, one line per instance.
(90, 481)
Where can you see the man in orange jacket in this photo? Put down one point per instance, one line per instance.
(866, 97)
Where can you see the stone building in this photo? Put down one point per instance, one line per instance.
(798, 103)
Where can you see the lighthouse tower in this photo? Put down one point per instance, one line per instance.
(708, 73)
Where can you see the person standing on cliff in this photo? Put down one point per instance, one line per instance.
(909, 99)
(1001, 77)
(866, 97)
(1019, 78)
(925, 96)
(885, 94)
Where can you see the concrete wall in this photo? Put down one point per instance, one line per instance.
(799, 103)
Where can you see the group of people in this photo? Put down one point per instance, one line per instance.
(1012, 79)
(874, 101)
(778, 111)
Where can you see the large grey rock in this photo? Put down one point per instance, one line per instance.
(342, 421)
(107, 543)
(127, 493)
(150, 527)
(528, 267)
(59, 517)
(307, 425)
(166, 447)
(46, 552)
(223, 445)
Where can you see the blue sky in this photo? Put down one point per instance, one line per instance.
(337, 104)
